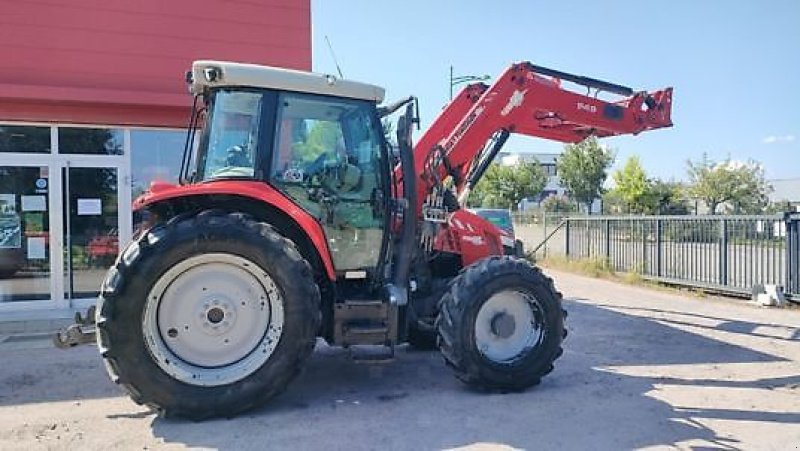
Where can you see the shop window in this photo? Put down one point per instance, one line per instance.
(155, 155)
(92, 141)
(25, 139)
(24, 234)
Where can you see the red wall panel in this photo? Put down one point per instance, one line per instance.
(122, 62)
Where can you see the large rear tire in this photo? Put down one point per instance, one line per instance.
(208, 315)
(501, 324)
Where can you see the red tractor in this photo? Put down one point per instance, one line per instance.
(295, 219)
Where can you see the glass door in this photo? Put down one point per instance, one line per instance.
(24, 233)
(91, 228)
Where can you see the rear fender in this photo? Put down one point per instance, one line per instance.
(255, 198)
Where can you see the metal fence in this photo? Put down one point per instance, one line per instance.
(793, 255)
(725, 253)
(541, 230)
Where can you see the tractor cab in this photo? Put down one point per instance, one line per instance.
(315, 139)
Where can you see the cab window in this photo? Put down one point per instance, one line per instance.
(327, 158)
(233, 136)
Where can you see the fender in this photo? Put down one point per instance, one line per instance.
(472, 237)
(258, 191)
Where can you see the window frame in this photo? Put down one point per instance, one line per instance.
(264, 146)
(382, 158)
(382, 163)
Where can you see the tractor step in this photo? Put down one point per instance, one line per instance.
(363, 323)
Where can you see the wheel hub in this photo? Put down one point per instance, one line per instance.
(213, 319)
(508, 325)
(503, 325)
(215, 315)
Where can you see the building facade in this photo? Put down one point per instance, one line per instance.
(92, 105)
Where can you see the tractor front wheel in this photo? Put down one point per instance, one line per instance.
(207, 315)
(501, 324)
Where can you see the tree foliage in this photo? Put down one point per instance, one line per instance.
(321, 138)
(636, 193)
(505, 186)
(632, 185)
(737, 186)
(557, 203)
(583, 168)
(666, 198)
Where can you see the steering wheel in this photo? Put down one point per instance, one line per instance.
(316, 166)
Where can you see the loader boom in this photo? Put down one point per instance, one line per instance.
(527, 100)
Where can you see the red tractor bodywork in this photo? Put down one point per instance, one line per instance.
(258, 191)
(525, 99)
(471, 237)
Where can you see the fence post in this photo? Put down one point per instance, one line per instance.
(723, 252)
(792, 241)
(544, 236)
(642, 223)
(588, 240)
(566, 237)
(659, 271)
(608, 241)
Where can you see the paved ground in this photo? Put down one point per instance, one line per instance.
(641, 369)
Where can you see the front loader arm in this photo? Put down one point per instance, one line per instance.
(528, 100)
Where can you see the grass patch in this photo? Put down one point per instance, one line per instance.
(592, 267)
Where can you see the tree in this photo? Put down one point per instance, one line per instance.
(636, 193)
(740, 186)
(613, 203)
(583, 168)
(632, 185)
(321, 138)
(506, 186)
(557, 203)
(666, 198)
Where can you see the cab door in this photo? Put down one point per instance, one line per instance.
(329, 159)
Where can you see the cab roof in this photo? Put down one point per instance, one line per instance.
(212, 74)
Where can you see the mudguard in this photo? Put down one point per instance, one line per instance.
(254, 190)
(472, 237)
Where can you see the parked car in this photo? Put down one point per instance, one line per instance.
(499, 217)
(502, 220)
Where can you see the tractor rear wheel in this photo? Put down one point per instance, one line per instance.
(501, 324)
(207, 315)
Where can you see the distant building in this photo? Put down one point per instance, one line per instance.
(548, 161)
(786, 191)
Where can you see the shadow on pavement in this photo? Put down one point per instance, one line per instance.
(415, 403)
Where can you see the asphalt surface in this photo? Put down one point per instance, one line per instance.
(641, 369)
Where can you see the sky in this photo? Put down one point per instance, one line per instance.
(734, 65)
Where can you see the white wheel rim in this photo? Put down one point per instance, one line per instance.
(213, 319)
(508, 325)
